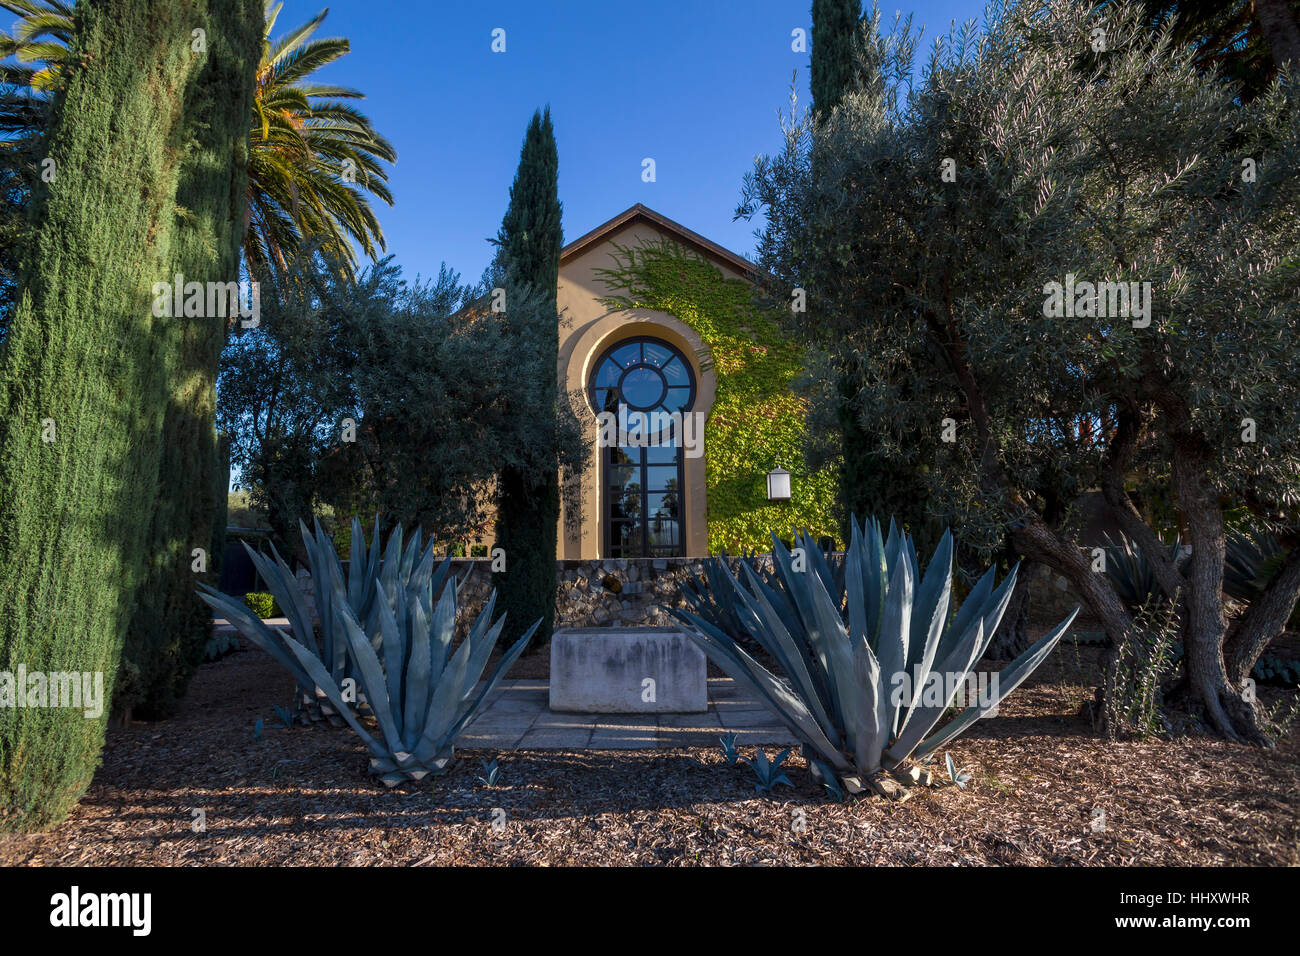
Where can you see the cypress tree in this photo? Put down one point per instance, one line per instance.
(528, 506)
(170, 627)
(835, 26)
(83, 390)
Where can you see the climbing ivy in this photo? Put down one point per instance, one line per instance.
(757, 420)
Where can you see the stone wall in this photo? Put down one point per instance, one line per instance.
(609, 593)
(618, 592)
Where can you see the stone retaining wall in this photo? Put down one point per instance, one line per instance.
(616, 592)
(621, 592)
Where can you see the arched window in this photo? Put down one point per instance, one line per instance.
(641, 482)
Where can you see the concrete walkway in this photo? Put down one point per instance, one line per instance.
(517, 718)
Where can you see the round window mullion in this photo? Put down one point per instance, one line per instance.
(617, 363)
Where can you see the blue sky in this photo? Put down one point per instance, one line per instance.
(694, 85)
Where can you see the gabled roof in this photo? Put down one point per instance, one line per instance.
(645, 214)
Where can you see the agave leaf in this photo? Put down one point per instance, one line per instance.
(394, 657)
(1011, 677)
(312, 665)
(928, 620)
(251, 626)
(895, 628)
(779, 699)
(486, 687)
(370, 674)
(792, 658)
(417, 680)
(924, 716)
(441, 629)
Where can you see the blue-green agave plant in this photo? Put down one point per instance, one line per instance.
(399, 661)
(398, 572)
(843, 660)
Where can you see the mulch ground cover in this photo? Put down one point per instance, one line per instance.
(1045, 790)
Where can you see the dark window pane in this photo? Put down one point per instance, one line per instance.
(608, 375)
(676, 372)
(662, 455)
(677, 399)
(661, 478)
(643, 387)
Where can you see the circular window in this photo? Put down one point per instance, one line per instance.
(644, 375)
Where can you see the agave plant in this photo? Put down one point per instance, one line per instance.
(1132, 575)
(845, 664)
(420, 693)
(396, 574)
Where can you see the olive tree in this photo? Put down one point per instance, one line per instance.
(1066, 261)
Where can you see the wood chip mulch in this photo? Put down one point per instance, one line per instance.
(1045, 791)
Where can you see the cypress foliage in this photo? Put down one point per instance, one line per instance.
(835, 25)
(528, 509)
(170, 627)
(834, 32)
(82, 390)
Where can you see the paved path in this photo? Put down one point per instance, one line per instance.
(517, 718)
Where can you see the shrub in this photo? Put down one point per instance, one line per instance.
(262, 604)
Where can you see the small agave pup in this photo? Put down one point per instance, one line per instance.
(843, 661)
(421, 694)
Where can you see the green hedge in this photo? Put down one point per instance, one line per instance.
(262, 604)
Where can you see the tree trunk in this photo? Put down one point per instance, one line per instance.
(1205, 624)
(1281, 30)
(82, 392)
(1264, 620)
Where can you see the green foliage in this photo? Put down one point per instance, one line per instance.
(312, 156)
(170, 628)
(835, 25)
(528, 498)
(757, 420)
(262, 603)
(85, 357)
(847, 668)
(389, 626)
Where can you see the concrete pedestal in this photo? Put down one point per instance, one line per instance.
(627, 670)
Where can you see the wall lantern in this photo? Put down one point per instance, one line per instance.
(778, 484)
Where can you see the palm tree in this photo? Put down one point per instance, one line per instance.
(314, 159)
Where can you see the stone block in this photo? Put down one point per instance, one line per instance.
(603, 670)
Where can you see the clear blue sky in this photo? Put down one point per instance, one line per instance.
(695, 85)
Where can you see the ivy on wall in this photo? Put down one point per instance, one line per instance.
(757, 420)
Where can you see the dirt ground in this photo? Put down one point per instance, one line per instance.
(200, 789)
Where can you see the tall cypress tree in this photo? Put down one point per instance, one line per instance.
(835, 25)
(165, 641)
(528, 507)
(82, 391)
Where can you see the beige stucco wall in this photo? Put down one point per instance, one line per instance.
(587, 328)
